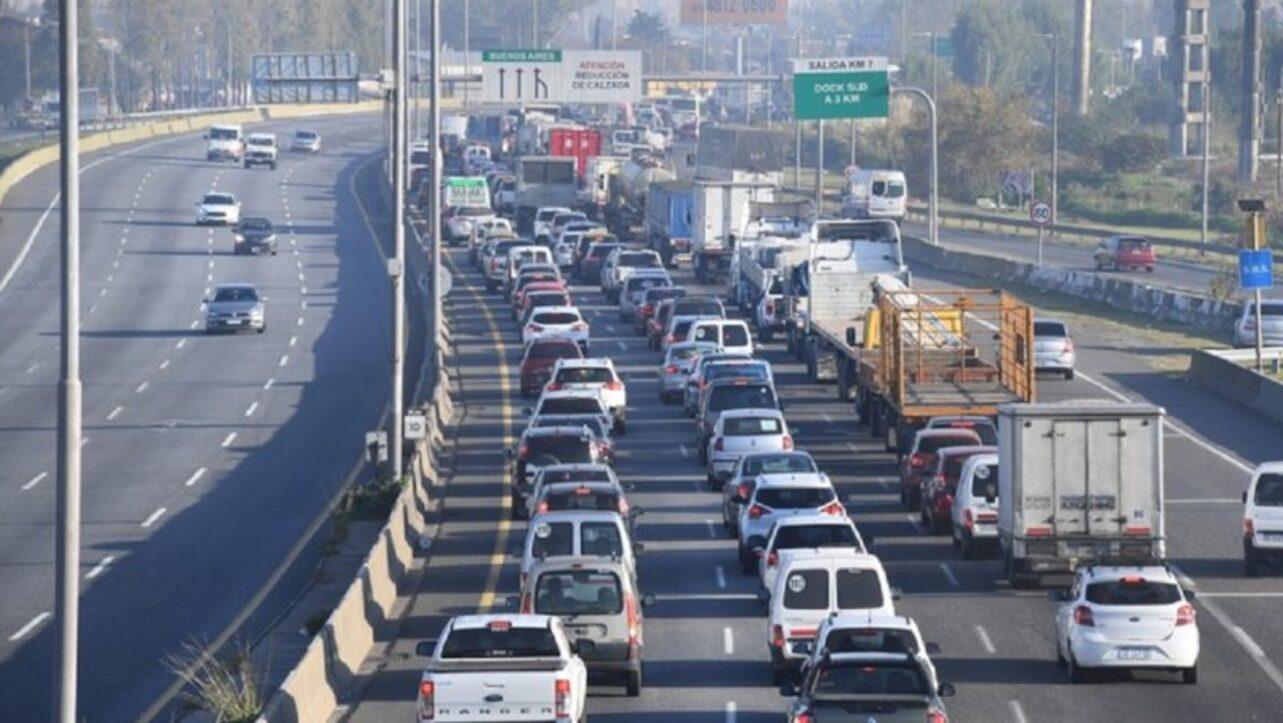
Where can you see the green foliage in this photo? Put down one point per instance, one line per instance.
(1002, 43)
(647, 27)
(1132, 153)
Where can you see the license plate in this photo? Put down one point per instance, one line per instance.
(1272, 536)
(234, 322)
(1133, 654)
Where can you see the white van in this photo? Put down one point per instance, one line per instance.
(975, 505)
(732, 335)
(578, 533)
(810, 588)
(476, 158)
(874, 194)
(226, 143)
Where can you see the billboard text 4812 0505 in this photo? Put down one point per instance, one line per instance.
(735, 12)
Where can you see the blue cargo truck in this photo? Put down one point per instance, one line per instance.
(668, 218)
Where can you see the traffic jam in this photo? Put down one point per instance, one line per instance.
(711, 269)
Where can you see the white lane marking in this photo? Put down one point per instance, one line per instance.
(610, 328)
(730, 711)
(153, 517)
(141, 388)
(303, 290)
(93, 307)
(110, 278)
(34, 481)
(253, 407)
(285, 359)
(300, 321)
(268, 384)
(1204, 501)
(211, 264)
(851, 446)
(1249, 594)
(102, 293)
(115, 413)
(948, 573)
(721, 577)
(301, 277)
(31, 625)
(84, 440)
(827, 418)
(101, 567)
(622, 345)
(32, 368)
(1017, 711)
(984, 640)
(728, 641)
(917, 525)
(712, 529)
(164, 365)
(195, 324)
(685, 452)
(115, 264)
(227, 441)
(180, 344)
(1245, 640)
(195, 477)
(293, 340)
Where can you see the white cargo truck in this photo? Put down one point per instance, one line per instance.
(721, 213)
(1079, 482)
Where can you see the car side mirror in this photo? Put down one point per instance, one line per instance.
(425, 648)
(788, 688)
(638, 548)
(933, 648)
(648, 600)
(636, 511)
(1190, 595)
(947, 690)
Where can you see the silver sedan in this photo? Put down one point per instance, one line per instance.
(235, 307)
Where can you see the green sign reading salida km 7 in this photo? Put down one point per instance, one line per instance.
(828, 88)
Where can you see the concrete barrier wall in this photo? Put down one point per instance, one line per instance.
(1228, 373)
(1122, 293)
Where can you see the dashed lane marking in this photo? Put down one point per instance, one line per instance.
(34, 481)
(115, 413)
(32, 624)
(101, 567)
(984, 640)
(154, 517)
(195, 477)
(227, 441)
(253, 407)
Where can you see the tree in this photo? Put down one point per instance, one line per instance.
(648, 28)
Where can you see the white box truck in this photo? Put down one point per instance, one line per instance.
(1078, 482)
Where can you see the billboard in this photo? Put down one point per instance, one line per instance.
(561, 76)
(305, 78)
(735, 12)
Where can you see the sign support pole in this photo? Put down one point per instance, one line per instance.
(819, 168)
(397, 267)
(1040, 235)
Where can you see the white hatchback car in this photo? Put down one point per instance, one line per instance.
(1263, 517)
(776, 496)
(560, 321)
(598, 374)
(738, 432)
(1126, 617)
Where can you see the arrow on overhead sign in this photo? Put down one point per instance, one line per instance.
(502, 72)
(540, 84)
(520, 72)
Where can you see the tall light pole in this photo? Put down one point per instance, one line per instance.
(534, 23)
(614, 24)
(1207, 138)
(438, 163)
(703, 47)
(933, 201)
(467, 52)
(396, 267)
(417, 93)
(1055, 127)
(26, 36)
(935, 60)
(67, 555)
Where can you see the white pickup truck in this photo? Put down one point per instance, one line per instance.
(502, 668)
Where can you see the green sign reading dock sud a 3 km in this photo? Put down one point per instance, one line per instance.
(826, 88)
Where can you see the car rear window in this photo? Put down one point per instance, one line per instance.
(796, 537)
(581, 498)
(570, 405)
(495, 643)
(637, 283)
(778, 464)
(548, 299)
(556, 317)
(707, 332)
(681, 328)
(984, 482)
(641, 260)
(1050, 328)
(873, 678)
(555, 350)
(697, 307)
(734, 335)
(794, 498)
(933, 444)
(575, 475)
(1267, 309)
(236, 294)
(600, 538)
(1133, 591)
(578, 592)
(807, 590)
(591, 421)
(564, 449)
(654, 295)
(952, 464)
(871, 640)
(751, 426)
(585, 375)
(599, 251)
(747, 396)
(1133, 244)
(552, 539)
(1269, 490)
(680, 353)
(858, 589)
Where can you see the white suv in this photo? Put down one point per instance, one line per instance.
(1263, 517)
(594, 374)
(260, 150)
(1134, 616)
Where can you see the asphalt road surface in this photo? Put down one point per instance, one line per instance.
(205, 457)
(706, 654)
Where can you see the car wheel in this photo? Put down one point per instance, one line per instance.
(1069, 374)
(1189, 676)
(633, 683)
(262, 328)
(1251, 562)
(273, 250)
(1077, 674)
(1060, 656)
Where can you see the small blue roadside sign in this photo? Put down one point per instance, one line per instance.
(1256, 269)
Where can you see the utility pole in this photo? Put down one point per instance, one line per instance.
(1082, 57)
(1207, 140)
(438, 163)
(819, 168)
(534, 23)
(467, 53)
(396, 268)
(855, 131)
(1055, 130)
(614, 24)
(26, 35)
(417, 93)
(1249, 137)
(67, 555)
(703, 46)
(1278, 137)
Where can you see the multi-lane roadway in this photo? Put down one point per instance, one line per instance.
(206, 458)
(706, 656)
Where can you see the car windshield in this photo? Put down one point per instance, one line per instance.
(871, 678)
(778, 464)
(236, 293)
(1267, 309)
(638, 283)
(1269, 490)
(564, 449)
(581, 498)
(585, 375)
(746, 396)
(219, 199)
(601, 251)
(794, 498)
(260, 141)
(305, 135)
(591, 421)
(256, 224)
(933, 444)
(858, 589)
(1133, 245)
(1133, 590)
(751, 426)
(571, 405)
(1050, 328)
(951, 468)
(565, 218)
(545, 215)
(223, 134)
(578, 592)
(499, 641)
(807, 590)
(556, 317)
(795, 537)
(984, 482)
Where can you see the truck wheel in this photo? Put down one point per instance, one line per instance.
(633, 683)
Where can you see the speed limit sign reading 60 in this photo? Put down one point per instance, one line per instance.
(1040, 213)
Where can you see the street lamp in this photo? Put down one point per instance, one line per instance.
(1055, 125)
(933, 200)
(935, 60)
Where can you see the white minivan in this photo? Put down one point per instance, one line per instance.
(1263, 518)
(975, 505)
(731, 335)
(810, 588)
(578, 533)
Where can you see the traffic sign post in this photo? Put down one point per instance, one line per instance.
(1040, 213)
(416, 425)
(828, 88)
(1256, 269)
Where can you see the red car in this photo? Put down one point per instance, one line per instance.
(920, 460)
(540, 356)
(650, 304)
(519, 295)
(1125, 253)
(941, 485)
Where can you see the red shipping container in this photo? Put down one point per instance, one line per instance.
(578, 143)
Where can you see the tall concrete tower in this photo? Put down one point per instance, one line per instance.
(1189, 54)
(1082, 57)
(1249, 134)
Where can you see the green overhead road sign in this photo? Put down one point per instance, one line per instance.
(467, 191)
(828, 88)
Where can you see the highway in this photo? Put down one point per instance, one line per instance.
(206, 458)
(706, 635)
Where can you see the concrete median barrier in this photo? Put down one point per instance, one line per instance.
(1122, 293)
(1228, 373)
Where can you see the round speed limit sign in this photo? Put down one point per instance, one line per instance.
(1040, 213)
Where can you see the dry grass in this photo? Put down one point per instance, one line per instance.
(226, 688)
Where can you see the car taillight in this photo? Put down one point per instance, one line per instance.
(788, 442)
(579, 326)
(937, 716)
(1185, 614)
(742, 491)
(634, 630)
(777, 636)
(553, 387)
(561, 696)
(670, 369)
(967, 520)
(623, 506)
(1136, 530)
(522, 451)
(614, 386)
(1082, 616)
(541, 508)
(1039, 531)
(719, 445)
(1249, 527)
(833, 508)
(645, 310)
(534, 328)
(756, 511)
(773, 559)
(804, 717)
(671, 338)
(917, 460)
(427, 694)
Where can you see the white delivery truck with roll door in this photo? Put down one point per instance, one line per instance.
(1080, 482)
